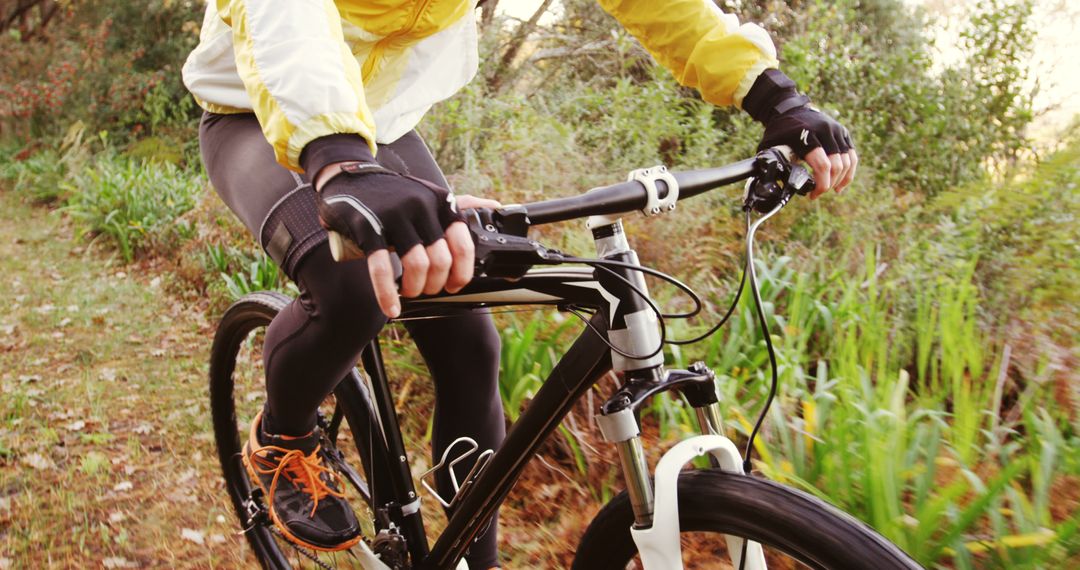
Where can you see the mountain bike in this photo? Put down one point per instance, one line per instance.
(714, 516)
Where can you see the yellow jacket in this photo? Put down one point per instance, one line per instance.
(311, 68)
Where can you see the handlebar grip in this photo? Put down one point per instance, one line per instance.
(787, 152)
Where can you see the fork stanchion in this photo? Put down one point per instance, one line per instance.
(621, 428)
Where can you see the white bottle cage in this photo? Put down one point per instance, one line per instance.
(481, 462)
(659, 545)
(648, 177)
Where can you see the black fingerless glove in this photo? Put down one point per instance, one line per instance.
(379, 209)
(790, 120)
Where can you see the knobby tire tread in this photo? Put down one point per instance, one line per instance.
(799, 524)
(247, 314)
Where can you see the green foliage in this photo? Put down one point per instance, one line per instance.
(39, 177)
(920, 452)
(529, 353)
(926, 130)
(242, 273)
(136, 205)
(1024, 234)
(42, 176)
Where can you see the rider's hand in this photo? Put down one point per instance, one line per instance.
(816, 137)
(380, 210)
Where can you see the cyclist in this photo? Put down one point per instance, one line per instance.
(310, 110)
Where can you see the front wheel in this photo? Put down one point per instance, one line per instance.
(797, 530)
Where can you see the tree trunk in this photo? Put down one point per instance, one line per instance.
(498, 79)
(487, 12)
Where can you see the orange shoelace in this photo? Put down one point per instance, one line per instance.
(304, 470)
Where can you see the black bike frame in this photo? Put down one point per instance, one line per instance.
(587, 360)
(376, 427)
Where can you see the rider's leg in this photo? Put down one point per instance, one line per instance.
(462, 352)
(314, 340)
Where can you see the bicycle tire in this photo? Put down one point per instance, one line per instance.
(241, 319)
(801, 526)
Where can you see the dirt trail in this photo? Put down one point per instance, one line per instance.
(106, 454)
(107, 457)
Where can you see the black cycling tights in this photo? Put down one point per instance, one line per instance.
(318, 337)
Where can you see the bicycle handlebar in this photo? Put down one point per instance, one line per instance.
(776, 177)
(632, 195)
(501, 236)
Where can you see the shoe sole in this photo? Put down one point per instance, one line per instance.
(254, 477)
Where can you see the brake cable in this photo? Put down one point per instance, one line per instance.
(723, 320)
(750, 230)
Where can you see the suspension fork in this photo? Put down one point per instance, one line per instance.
(634, 331)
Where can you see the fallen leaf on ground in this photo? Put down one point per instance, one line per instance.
(186, 476)
(76, 425)
(192, 535)
(118, 562)
(38, 461)
(123, 486)
(179, 496)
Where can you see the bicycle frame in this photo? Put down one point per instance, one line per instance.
(588, 359)
(584, 363)
(625, 316)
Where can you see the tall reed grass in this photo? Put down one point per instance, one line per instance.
(908, 420)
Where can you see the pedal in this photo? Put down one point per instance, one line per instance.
(255, 512)
(481, 462)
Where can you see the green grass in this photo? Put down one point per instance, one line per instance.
(136, 205)
(103, 379)
(242, 273)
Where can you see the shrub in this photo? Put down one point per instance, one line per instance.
(136, 205)
(113, 65)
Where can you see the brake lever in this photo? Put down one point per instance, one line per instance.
(776, 182)
(500, 254)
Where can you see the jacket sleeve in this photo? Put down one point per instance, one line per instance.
(705, 48)
(301, 76)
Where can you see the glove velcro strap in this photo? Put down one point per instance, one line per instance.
(790, 103)
(359, 168)
(770, 90)
(365, 168)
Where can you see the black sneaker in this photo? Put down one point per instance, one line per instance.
(302, 491)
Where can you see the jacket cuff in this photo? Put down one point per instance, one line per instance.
(772, 94)
(334, 148)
